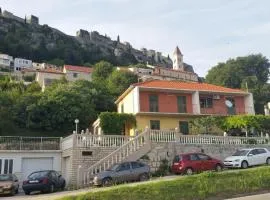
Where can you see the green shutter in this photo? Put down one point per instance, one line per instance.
(182, 104)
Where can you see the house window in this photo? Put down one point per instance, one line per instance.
(155, 124)
(206, 102)
(75, 75)
(122, 108)
(182, 104)
(7, 166)
(153, 102)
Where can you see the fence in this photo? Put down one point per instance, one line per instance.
(29, 143)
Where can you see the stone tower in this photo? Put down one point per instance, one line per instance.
(178, 63)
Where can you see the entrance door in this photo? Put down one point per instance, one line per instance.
(66, 168)
(183, 127)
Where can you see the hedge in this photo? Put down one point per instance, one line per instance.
(209, 185)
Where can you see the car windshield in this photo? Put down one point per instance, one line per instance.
(177, 158)
(241, 153)
(5, 177)
(36, 175)
(114, 167)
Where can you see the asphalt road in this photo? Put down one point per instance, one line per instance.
(254, 197)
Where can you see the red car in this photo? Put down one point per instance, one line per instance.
(195, 162)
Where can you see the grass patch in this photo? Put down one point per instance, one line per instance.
(202, 186)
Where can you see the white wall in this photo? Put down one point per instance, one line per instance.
(18, 157)
(21, 63)
(249, 104)
(5, 60)
(70, 75)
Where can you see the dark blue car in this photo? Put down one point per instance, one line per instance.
(43, 181)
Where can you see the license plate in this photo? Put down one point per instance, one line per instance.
(35, 181)
(175, 163)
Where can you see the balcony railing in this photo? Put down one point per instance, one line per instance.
(29, 143)
(223, 110)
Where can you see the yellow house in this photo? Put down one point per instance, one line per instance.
(163, 104)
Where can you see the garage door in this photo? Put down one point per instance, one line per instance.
(30, 165)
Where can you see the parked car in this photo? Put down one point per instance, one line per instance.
(9, 184)
(194, 162)
(123, 172)
(248, 157)
(43, 181)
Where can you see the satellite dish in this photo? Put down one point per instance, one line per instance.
(228, 103)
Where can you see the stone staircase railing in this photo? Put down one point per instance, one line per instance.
(130, 150)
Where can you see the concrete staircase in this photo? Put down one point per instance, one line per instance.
(129, 151)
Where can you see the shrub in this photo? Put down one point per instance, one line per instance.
(163, 168)
(112, 122)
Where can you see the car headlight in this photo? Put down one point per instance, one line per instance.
(237, 160)
(8, 186)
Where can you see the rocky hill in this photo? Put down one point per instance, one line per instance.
(40, 43)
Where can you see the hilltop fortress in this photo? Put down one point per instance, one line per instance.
(93, 40)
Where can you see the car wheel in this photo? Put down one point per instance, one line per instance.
(51, 189)
(189, 171)
(63, 185)
(268, 161)
(218, 168)
(107, 182)
(143, 177)
(13, 192)
(26, 192)
(244, 164)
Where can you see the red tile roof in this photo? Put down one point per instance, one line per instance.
(163, 84)
(50, 70)
(79, 68)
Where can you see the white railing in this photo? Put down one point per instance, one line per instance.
(172, 136)
(162, 136)
(116, 156)
(67, 142)
(194, 139)
(29, 143)
(84, 140)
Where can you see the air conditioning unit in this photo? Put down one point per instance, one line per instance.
(216, 96)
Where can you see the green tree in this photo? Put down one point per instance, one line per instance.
(119, 81)
(250, 72)
(102, 71)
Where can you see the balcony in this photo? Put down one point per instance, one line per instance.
(223, 110)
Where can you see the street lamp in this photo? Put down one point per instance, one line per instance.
(76, 122)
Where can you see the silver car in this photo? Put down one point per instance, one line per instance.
(123, 172)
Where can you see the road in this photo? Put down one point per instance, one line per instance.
(254, 197)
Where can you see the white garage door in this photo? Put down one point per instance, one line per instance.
(30, 165)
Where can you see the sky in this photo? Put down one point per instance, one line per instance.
(206, 31)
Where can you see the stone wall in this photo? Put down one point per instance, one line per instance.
(168, 150)
(85, 157)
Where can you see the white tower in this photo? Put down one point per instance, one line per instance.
(178, 63)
